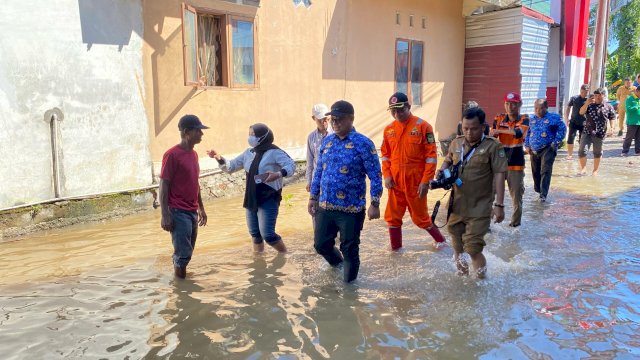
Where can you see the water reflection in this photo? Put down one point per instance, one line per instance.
(566, 284)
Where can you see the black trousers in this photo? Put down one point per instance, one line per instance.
(541, 168)
(327, 226)
(633, 134)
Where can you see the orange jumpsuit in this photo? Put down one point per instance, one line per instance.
(409, 157)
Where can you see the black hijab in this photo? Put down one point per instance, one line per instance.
(255, 193)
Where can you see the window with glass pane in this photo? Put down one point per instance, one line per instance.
(243, 52)
(416, 72)
(402, 65)
(190, 56)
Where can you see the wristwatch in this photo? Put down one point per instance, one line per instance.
(375, 203)
(498, 205)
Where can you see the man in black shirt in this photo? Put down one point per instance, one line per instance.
(573, 119)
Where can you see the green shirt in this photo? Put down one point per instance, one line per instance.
(633, 110)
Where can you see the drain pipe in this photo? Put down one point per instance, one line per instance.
(54, 116)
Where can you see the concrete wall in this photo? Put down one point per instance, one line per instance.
(83, 57)
(331, 50)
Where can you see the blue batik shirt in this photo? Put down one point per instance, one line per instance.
(339, 179)
(548, 130)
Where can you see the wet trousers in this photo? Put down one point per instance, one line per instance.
(515, 183)
(399, 201)
(183, 236)
(541, 169)
(349, 225)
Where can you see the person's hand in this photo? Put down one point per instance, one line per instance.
(312, 207)
(214, 154)
(166, 222)
(373, 212)
(388, 183)
(527, 150)
(308, 187)
(202, 217)
(273, 176)
(497, 214)
(423, 189)
(493, 132)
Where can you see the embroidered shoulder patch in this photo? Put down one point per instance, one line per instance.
(430, 138)
(501, 153)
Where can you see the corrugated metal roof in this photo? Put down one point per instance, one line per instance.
(495, 28)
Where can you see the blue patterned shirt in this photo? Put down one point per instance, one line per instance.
(550, 129)
(339, 179)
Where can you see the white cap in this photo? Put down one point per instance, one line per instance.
(319, 111)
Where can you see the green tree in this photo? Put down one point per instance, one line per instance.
(625, 29)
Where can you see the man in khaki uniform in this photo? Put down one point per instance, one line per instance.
(622, 94)
(482, 162)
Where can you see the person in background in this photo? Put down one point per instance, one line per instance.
(633, 123)
(314, 140)
(465, 106)
(265, 165)
(574, 120)
(622, 94)
(546, 133)
(598, 113)
(510, 129)
(338, 190)
(409, 160)
(180, 198)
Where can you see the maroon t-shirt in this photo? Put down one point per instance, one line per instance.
(180, 167)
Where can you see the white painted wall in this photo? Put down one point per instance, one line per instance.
(85, 58)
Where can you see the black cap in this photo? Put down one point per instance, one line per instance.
(190, 122)
(340, 108)
(398, 100)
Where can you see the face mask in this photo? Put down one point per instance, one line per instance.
(253, 141)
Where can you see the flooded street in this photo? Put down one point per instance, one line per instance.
(565, 285)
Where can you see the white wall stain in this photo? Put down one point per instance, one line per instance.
(47, 62)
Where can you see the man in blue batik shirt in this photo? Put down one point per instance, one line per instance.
(546, 132)
(338, 190)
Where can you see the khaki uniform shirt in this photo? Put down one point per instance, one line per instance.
(474, 198)
(622, 94)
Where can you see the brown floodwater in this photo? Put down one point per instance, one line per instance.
(565, 285)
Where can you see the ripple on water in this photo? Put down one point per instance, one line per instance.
(563, 285)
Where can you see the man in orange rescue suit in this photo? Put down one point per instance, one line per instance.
(409, 161)
(511, 129)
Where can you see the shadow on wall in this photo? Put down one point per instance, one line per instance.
(334, 54)
(163, 60)
(109, 22)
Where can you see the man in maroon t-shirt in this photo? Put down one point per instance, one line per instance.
(180, 200)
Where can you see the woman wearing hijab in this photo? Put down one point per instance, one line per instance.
(265, 165)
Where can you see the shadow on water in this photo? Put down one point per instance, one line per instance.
(564, 285)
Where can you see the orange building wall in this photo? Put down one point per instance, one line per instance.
(335, 49)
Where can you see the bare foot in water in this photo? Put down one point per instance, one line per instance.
(462, 266)
(482, 272)
(595, 173)
(583, 172)
(437, 245)
(569, 157)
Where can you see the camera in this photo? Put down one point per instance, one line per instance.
(446, 178)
